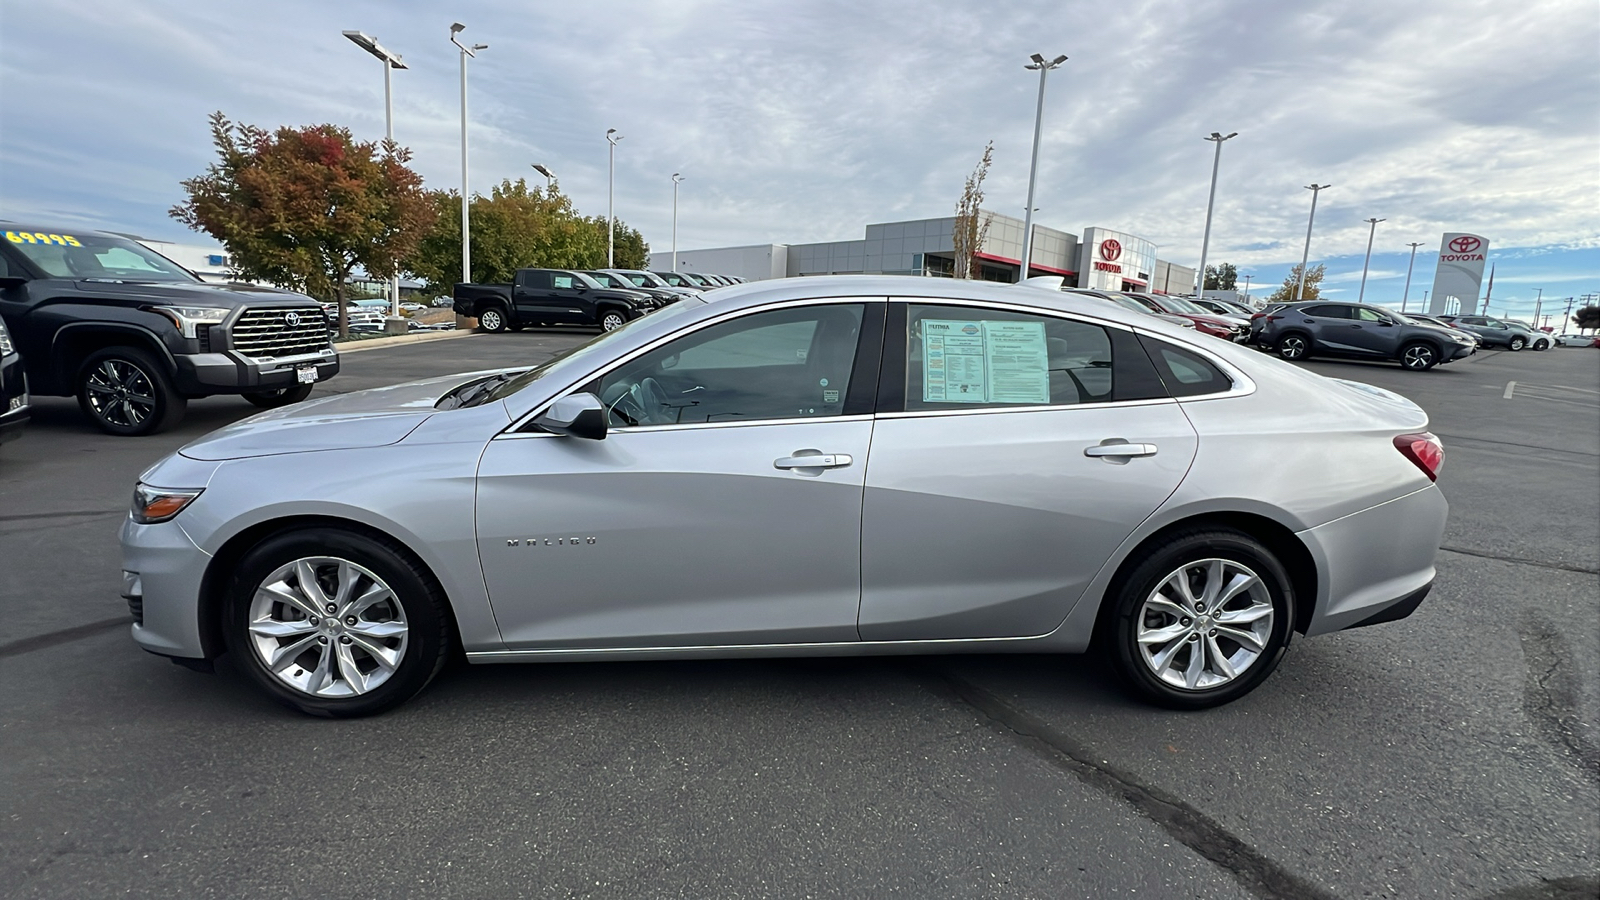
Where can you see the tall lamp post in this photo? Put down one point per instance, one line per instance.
(549, 176)
(1205, 242)
(1314, 188)
(1406, 295)
(1247, 286)
(1371, 233)
(676, 178)
(466, 224)
(1044, 68)
(611, 199)
(391, 61)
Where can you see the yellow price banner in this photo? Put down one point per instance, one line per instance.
(39, 237)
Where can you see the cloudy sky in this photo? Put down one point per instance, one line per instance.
(796, 122)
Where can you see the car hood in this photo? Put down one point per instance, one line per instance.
(193, 293)
(371, 418)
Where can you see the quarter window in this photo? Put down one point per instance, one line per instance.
(1186, 373)
(1370, 315)
(781, 364)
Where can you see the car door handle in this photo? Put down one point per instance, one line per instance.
(1122, 450)
(814, 461)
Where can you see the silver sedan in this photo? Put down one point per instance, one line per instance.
(843, 465)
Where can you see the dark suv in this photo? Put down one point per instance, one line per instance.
(135, 336)
(1354, 331)
(1496, 332)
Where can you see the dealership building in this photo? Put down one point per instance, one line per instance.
(1101, 258)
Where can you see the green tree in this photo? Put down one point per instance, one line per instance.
(1224, 277)
(303, 207)
(1587, 317)
(1313, 288)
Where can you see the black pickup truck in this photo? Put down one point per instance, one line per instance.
(134, 336)
(550, 297)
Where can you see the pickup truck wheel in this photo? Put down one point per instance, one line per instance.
(492, 319)
(279, 397)
(126, 392)
(611, 320)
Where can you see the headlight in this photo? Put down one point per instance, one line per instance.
(190, 318)
(6, 347)
(153, 504)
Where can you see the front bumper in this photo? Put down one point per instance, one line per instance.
(14, 400)
(1377, 560)
(162, 572)
(200, 374)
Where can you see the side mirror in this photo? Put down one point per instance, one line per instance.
(575, 415)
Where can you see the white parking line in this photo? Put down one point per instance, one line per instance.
(1510, 386)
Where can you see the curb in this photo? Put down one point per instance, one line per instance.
(380, 343)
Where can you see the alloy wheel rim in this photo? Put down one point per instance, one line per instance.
(490, 320)
(1293, 347)
(327, 627)
(611, 322)
(1205, 625)
(121, 393)
(1418, 357)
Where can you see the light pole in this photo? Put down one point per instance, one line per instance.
(391, 61)
(1044, 68)
(1305, 257)
(676, 178)
(1538, 304)
(1409, 266)
(1247, 286)
(549, 176)
(611, 199)
(466, 224)
(1205, 242)
(1371, 233)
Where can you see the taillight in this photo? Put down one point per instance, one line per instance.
(1423, 449)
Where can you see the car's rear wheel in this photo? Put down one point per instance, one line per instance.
(1518, 342)
(279, 397)
(126, 392)
(1202, 621)
(1541, 344)
(492, 319)
(335, 623)
(1293, 346)
(611, 320)
(1418, 356)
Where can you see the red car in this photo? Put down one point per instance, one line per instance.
(1207, 322)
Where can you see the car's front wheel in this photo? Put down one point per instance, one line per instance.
(611, 320)
(1202, 621)
(279, 397)
(1517, 343)
(1293, 346)
(335, 623)
(1419, 357)
(126, 392)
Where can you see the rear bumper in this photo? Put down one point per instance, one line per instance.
(1371, 564)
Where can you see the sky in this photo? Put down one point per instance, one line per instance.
(796, 122)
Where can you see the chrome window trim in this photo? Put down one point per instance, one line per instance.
(693, 426)
(1024, 309)
(512, 429)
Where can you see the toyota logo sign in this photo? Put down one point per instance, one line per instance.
(1110, 249)
(1465, 244)
(291, 319)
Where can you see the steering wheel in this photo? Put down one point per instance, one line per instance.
(641, 403)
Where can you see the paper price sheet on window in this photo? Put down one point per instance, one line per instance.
(984, 362)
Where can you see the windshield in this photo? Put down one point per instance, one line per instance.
(100, 256)
(610, 281)
(588, 280)
(1184, 306)
(596, 347)
(1130, 303)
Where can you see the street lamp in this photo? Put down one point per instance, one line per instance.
(1044, 68)
(466, 225)
(611, 199)
(1205, 242)
(1407, 294)
(676, 178)
(1371, 233)
(1305, 257)
(391, 61)
(1247, 286)
(549, 176)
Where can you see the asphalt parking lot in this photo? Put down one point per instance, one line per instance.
(1453, 754)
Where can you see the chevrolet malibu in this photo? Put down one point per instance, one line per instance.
(819, 466)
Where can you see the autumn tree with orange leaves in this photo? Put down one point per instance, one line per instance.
(302, 208)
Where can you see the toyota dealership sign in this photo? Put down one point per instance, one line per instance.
(1460, 273)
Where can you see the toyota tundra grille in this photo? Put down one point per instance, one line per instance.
(281, 332)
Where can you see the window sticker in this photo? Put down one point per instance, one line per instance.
(39, 237)
(984, 362)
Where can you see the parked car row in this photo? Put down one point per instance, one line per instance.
(608, 298)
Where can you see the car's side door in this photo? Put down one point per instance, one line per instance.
(1329, 324)
(1373, 333)
(1013, 452)
(722, 508)
(570, 303)
(531, 295)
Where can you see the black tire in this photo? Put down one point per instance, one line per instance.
(126, 391)
(279, 397)
(612, 319)
(493, 319)
(1293, 346)
(1541, 344)
(427, 642)
(1517, 343)
(1419, 356)
(1121, 622)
